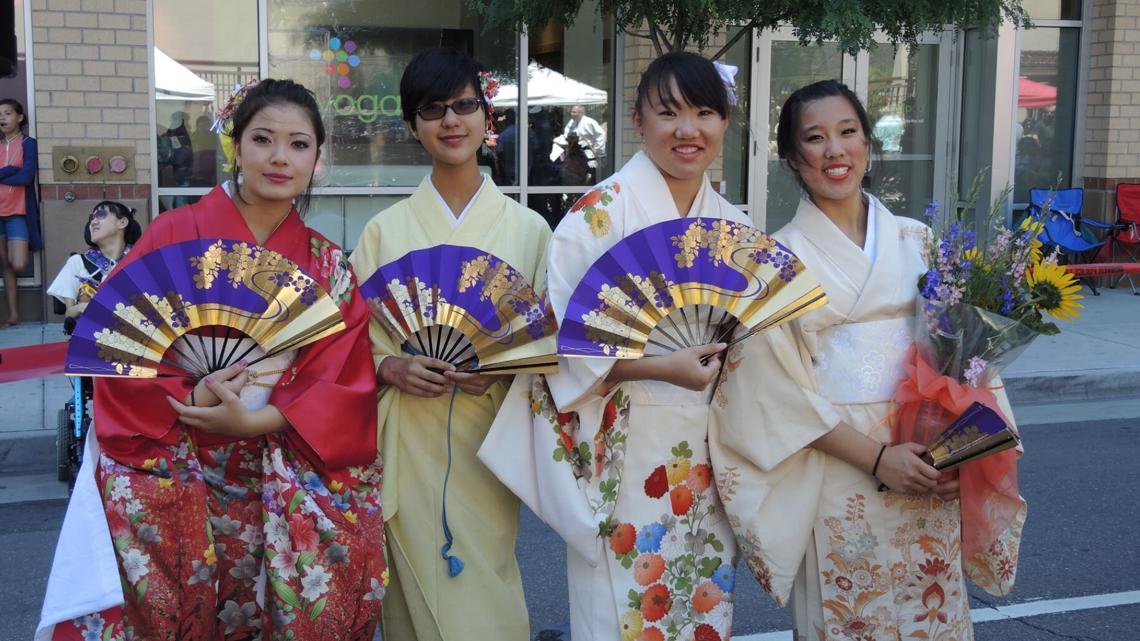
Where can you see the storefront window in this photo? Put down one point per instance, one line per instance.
(352, 54)
(901, 102)
(1046, 109)
(793, 66)
(1053, 9)
(202, 50)
(733, 181)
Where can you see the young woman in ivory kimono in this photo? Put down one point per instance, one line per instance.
(236, 506)
(612, 453)
(800, 434)
(446, 110)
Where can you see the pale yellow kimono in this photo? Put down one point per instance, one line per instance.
(648, 545)
(485, 601)
(858, 563)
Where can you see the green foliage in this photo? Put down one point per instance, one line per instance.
(679, 24)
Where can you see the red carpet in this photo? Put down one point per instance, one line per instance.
(33, 361)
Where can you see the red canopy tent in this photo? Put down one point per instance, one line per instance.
(1032, 94)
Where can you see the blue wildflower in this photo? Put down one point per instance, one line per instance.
(649, 538)
(725, 577)
(933, 280)
(969, 239)
(1006, 302)
(931, 210)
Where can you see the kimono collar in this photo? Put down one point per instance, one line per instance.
(217, 212)
(439, 224)
(856, 269)
(649, 189)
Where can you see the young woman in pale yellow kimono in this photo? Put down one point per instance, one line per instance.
(612, 454)
(456, 204)
(799, 436)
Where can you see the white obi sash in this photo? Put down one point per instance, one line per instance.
(863, 362)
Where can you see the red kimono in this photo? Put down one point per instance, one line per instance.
(279, 536)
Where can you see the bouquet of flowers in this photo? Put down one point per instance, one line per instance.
(986, 295)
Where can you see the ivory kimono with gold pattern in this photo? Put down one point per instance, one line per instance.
(621, 473)
(858, 563)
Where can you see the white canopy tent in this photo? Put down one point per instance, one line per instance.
(172, 81)
(546, 87)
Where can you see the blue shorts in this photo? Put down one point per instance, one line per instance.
(14, 227)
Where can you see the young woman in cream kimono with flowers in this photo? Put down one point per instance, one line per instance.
(446, 110)
(799, 439)
(613, 454)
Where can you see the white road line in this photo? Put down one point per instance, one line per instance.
(1008, 612)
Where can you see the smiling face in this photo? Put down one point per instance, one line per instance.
(10, 120)
(454, 139)
(277, 154)
(831, 150)
(681, 139)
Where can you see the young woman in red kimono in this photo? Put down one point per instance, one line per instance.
(234, 519)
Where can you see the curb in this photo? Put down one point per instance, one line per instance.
(1089, 385)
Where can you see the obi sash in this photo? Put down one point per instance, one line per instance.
(863, 362)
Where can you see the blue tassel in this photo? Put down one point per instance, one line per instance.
(454, 563)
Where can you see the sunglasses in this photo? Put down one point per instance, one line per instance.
(437, 110)
(98, 214)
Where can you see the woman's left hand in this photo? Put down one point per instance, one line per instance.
(474, 384)
(230, 417)
(948, 486)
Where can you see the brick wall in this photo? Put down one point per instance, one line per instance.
(1112, 150)
(91, 79)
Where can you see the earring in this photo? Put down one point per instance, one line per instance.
(870, 163)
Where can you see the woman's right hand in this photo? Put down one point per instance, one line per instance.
(413, 375)
(902, 469)
(687, 367)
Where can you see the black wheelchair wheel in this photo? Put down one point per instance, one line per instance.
(63, 439)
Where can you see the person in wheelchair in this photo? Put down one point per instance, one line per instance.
(110, 231)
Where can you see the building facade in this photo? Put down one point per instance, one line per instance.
(140, 80)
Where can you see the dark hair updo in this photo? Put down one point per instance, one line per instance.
(696, 77)
(130, 234)
(787, 132)
(278, 92)
(436, 74)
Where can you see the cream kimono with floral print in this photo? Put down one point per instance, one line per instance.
(621, 473)
(859, 564)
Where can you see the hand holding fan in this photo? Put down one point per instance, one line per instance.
(682, 283)
(195, 307)
(978, 432)
(464, 306)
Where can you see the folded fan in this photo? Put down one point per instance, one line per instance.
(464, 306)
(682, 283)
(978, 432)
(149, 318)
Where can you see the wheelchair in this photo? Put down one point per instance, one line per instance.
(74, 419)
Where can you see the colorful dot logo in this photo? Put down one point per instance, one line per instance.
(339, 58)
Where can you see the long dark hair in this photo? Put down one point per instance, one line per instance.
(787, 145)
(278, 92)
(18, 108)
(696, 77)
(130, 234)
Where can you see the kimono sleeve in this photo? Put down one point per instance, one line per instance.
(772, 409)
(129, 407)
(365, 260)
(331, 399)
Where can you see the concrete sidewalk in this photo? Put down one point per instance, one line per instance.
(1090, 371)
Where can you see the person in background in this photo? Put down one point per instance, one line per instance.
(110, 232)
(19, 205)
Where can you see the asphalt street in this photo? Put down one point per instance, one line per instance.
(1082, 481)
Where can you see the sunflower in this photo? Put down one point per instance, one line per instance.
(1034, 227)
(1055, 290)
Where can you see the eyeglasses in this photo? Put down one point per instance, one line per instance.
(98, 214)
(437, 110)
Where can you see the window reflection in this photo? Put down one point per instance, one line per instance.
(552, 207)
(1046, 109)
(352, 55)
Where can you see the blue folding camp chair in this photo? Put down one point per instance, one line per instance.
(1060, 211)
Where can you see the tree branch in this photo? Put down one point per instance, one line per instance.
(728, 45)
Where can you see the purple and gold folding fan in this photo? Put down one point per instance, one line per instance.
(682, 283)
(466, 307)
(192, 308)
(978, 432)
